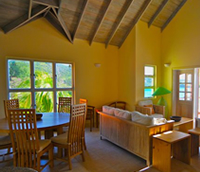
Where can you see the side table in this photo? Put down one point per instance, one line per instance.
(194, 140)
(184, 125)
(167, 144)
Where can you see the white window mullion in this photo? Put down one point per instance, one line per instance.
(32, 84)
(54, 87)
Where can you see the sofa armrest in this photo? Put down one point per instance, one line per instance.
(144, 110)
(159, 109)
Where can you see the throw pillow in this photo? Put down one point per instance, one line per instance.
(141, 118)
(151, 106)
(108, 110)
(122, 114)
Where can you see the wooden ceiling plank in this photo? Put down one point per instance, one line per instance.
(62, 23)
(52, 3)
(173, 15)
(114, 30)
(24, 19)
(54, 21)
(30, 8)
(100, 22)
(138, 16)
(158, 11)
(80, 18)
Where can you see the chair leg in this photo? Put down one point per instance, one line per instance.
(51, 157)
(84, 144)
(83, 158)
(90, 124)
(69, 160)
(38, 164)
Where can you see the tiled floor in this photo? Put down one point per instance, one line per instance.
(103, 156)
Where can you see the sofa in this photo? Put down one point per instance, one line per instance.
(131, 130)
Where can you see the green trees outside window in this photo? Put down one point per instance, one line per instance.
(39, 84)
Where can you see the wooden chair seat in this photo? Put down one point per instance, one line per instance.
(61, 139)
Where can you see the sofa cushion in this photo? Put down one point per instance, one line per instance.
(157, 121)
(122, 113)
(157, 115)
(145, 102)
(108, 110)
(141, 118)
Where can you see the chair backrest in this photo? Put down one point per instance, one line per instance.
(64, 104)
(24, 136)
(83, 101)
(118, 104)
(76, 128)
(10, 104)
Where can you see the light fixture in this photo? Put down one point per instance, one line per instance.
(97, 64)
(167, 64)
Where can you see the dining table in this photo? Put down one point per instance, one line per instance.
(48, 122)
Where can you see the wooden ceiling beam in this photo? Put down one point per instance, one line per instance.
(160, 8)
(30, 8)
(100, 22)
(24, 19)
(54, 21)
(173, 14)
(85, 3)
(121, 17)
(52, 3)
(63, 25)
(138, 16)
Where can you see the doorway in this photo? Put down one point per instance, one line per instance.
(183, 93)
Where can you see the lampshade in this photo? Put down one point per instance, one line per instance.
(161, 91)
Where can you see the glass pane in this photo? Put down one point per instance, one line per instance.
(44, 101)
(148, 70)
(64, 75)
(24, 99)
(182, 78)
(64, 94)
(189, 78)
(148, 92)
(181, 96)
(181, 87)
(189, 87)
(19, 74)
(189, 96)
(148, 82)
(43, 75)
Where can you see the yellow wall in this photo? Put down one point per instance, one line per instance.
(180, 42)
(148, 46)
(40, 40)
(141, 47)
(127, 71)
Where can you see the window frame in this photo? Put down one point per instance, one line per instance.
(32, 88)
(150, 76)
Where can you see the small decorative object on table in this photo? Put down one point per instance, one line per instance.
(175, 118)
(39, 116)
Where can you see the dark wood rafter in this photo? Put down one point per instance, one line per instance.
(121, 17)
(80, 18)
(138, 16)
(52, 3)
(63, 25)
(30, 8)
(50, 16)
(100, 22)
(24, 19)
(161, 7)
(173, 14)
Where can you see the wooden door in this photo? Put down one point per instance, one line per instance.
(183, 95)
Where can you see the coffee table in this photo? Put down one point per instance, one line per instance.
(168, 144)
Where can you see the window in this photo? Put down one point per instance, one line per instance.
(149, 81)
(185, 87)
(38, 84)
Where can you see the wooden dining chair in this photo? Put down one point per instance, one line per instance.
(10, 104)
(5, 140)
(64, 104)
(73, 140)
(27, 148)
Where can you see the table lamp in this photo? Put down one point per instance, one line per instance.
(160, 91)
